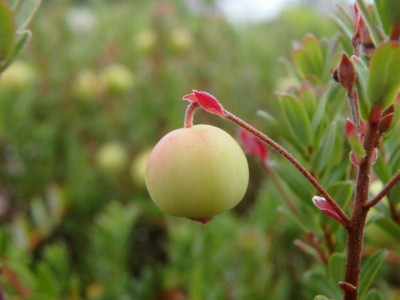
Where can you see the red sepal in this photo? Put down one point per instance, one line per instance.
(207, 101)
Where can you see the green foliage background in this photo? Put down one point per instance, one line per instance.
(76, 225)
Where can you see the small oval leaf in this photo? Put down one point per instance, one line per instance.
(384, 75)
(369, 270)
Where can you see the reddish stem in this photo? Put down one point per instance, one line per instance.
(384, 191)
(356, 229)
(190, 110)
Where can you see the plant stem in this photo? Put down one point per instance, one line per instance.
(278, 148)
(356, 229)
(190, 110)
(384, 191)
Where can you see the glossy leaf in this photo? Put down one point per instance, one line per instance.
(322, 156)
(297, 119)
(389, 13)
(7, 30)
(369, 270)
(384, 76)
(361, 84)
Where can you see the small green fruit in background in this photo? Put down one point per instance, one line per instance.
(118, 79)
(181, 39)
(88, 85)
(19, 76)
(145, 40)
(111, 157)
(138, 168)
(197, 172)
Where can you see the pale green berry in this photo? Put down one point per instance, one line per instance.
(197, 172)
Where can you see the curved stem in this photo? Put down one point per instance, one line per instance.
(384, 191)
(190, 113)
(278, 148)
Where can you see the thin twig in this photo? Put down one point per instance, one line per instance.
(384, 191)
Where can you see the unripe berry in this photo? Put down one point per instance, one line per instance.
(118, 79)
(19, 76)
(112, 157)
(197, 172)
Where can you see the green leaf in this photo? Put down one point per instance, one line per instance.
(46, 283)
(297, 119)
(296, 181)
(22, 39)
(361, 84)
(309, 100)
(371, 21)
(337, 263)
(25, 12)
(374, 294)
(341, 191)
(319, 283)
(344, 21)
(389, 13)
(390, 227)
(384, 76)
(369, 270)
(323, 154)
(313, 49)
(309, 59)
(7, 31)
(381, 169)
